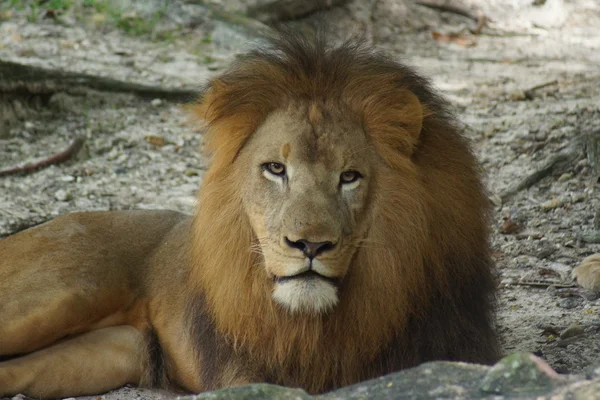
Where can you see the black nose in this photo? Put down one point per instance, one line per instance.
(310, 249)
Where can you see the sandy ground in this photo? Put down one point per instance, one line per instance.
(139, 153)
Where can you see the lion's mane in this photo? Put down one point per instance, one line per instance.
(420, 288)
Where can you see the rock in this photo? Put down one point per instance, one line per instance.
(591, 237)
(518, 374)
(62, 195)
(551, 204)
(429, 380)
(568, 303)
(572, 331)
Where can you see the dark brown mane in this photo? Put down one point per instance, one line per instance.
(423, 290)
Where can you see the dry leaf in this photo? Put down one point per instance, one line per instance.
(158, 141)
(510, 227)
(459, 39)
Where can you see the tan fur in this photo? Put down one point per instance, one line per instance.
(588, 273)
(407, 249)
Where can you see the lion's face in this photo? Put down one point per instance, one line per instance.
(306, 188)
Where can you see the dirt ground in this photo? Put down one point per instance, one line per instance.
(527, 88)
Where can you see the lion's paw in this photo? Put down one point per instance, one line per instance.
(588, 273)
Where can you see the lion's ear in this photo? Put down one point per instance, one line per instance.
(229, 115)
(208, 106)
(394, 120)
(410, 115)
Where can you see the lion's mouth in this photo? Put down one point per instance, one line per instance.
(310, 274)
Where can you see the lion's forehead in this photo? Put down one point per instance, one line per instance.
(294, 137)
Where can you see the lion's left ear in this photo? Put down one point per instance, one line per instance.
(394, 119)
(392, 115)
(410, 113)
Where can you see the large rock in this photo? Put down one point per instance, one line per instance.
(517, 376)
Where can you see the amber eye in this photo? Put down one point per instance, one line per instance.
(349, 177)
(274, 168)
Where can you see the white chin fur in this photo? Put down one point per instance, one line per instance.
(306, 295)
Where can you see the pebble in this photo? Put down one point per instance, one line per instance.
(120, 170)
(572, 331)
(67, 178)
(62, 195)
(565, 177)
(156, 102)
(552, 289)
(551, 204)
(568, 303)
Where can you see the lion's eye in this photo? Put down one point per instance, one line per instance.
(274, 168)
(350, 176)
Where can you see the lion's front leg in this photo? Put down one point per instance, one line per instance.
(91, 363)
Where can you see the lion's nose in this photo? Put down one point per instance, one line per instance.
(310, 249)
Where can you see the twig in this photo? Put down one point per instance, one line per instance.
(481, 23)
(561, 161)
(541, 284)
(17, 77)
(57, 158)
(480, 18)
(529, 92)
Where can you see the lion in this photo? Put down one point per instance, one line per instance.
(341, 234)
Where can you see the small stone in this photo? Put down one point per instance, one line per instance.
(572, 331)
(517, 95)
(156, 102)
(67, 178)
(62, 195)
(29, 125)
(551, 204)
(590, 295)
(552, 289)
(190, 172)
(591, 237)
(545, 252)
(565, 177)
(568, 303)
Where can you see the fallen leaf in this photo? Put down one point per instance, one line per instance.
(457, 38)
(158, 141)
(510, 227)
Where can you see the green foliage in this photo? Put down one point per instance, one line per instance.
(99, 12)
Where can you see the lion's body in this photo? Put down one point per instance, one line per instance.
(285, 274)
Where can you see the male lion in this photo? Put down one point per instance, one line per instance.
(341, 234)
